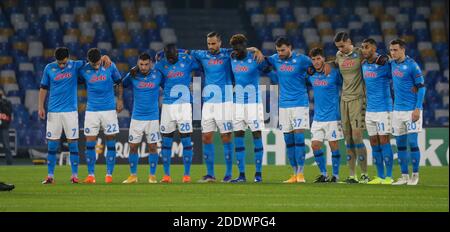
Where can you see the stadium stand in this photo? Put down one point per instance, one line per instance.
(313, 23)
(31, 30)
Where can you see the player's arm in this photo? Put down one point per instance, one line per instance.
(273, 73)
(265, 66)
(126, 81)
(419, 84)
(257, 54)
(45, 84)
(106, 61)
(118, 87)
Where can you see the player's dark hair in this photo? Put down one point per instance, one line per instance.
(213, 34)
(282, 41)
(400, 42)
(316, 52)
(238, 39)
(144, 56)
(370, 41)
(61, 53)
(94, 55)
(341, 36)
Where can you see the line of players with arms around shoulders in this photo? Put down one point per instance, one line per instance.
(351, 94)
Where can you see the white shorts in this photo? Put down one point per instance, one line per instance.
(402, 123)
(251, 115)
(293, 118)
(139, 127)
(331, 131)
(95, 120)
(379, 123)
(59, 121)
(173, 115)
(217, 115)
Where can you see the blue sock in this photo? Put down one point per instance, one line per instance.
(228, 153)
(300, 151)
(259, 152)
(321, 161)
(51, 158)
(388, 157)
(74, 157)
(153, 161)
(90, 157)
(166, 153)
(110, 156)
(336, 161)
(208, 154)
(402, 153)
(187, 154)
(415, 152)
(378, 160)
(133, 159)
(240, 153)
(290, 150)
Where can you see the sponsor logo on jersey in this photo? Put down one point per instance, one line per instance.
(397, 73)
(146, 85)
(63, 76)
(241, 68)
(287, 68)
(215, 62)
(174, 74)
(348, 63)
(318, 82)
(369, 74)
(96, 78)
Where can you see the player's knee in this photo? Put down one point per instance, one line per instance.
(207, 138)
(133, 148)
(72, 140)
(239, 133)
(374, 141)
(357, 134)
(316, 145)
(226, 137)
(91, 138)
(152, 148)
(185, 135)
(334, 145)
(384, 139)
(168, 135)
(110, 137)
(256, 134)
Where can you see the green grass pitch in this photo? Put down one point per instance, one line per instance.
(30, 195)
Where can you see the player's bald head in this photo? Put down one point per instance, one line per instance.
(171, 53)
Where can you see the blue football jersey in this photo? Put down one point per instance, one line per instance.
(218, 75)
(326, 95)
(145, 94)
(177, 78)
(100, 86)
(247, 74)
(62, 86)
(405, 76)
(378, 91)
(291, 76)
